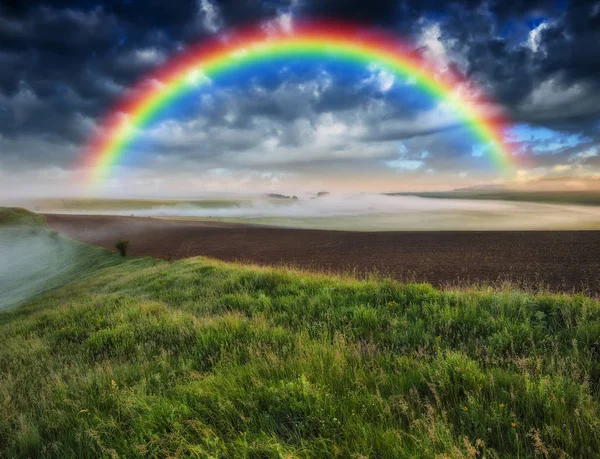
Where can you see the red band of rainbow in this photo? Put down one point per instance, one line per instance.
(318, 40)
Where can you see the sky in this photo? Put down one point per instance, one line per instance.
(294, 127)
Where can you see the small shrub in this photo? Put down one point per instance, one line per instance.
(122, 247)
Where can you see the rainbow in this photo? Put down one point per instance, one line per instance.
(314, 40)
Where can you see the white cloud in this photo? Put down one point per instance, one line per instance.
(585, 155)
(439, 50)
(438, 118)
(286, 22)
(380, 77)
(149, 56)
(405, 164)
(435, 50)
(562, 167)
(144, 57)
(196, 77)
(534, 40)
(209, 13)
(552, 99)
(283, 22)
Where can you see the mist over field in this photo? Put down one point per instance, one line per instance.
(35, 259)
(364, 212)
(31, 261)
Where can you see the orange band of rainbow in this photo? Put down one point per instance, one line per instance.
(216, 57)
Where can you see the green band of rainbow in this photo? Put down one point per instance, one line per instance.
(315, 40)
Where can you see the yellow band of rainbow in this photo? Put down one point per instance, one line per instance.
(316, 40)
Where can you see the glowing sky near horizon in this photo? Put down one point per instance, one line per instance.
(299, 127)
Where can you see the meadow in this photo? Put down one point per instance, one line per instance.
(199, 358)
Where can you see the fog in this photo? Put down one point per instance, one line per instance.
(328, 206)
(32, 260)
(373, 212)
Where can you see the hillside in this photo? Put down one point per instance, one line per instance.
(35, 259)
(149, 358)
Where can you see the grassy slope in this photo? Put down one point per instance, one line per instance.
(35, 258)
(202, 358)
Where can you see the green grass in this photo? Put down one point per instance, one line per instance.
(200, 358)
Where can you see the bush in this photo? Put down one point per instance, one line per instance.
(122, 247)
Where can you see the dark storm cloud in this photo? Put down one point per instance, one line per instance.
(64, 62)
(565, 60)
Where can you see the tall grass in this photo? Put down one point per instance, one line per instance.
(200, 358)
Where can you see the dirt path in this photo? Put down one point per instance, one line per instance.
(560, 260)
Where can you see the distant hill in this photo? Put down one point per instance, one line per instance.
(585, 198)
(282, 196)
(488, 187)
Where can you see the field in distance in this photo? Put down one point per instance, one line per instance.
(464, 211)
(583, 197)
(558, 260)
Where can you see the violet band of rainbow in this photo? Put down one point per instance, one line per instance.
(211, 59)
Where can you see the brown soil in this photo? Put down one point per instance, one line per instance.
(558, 260)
